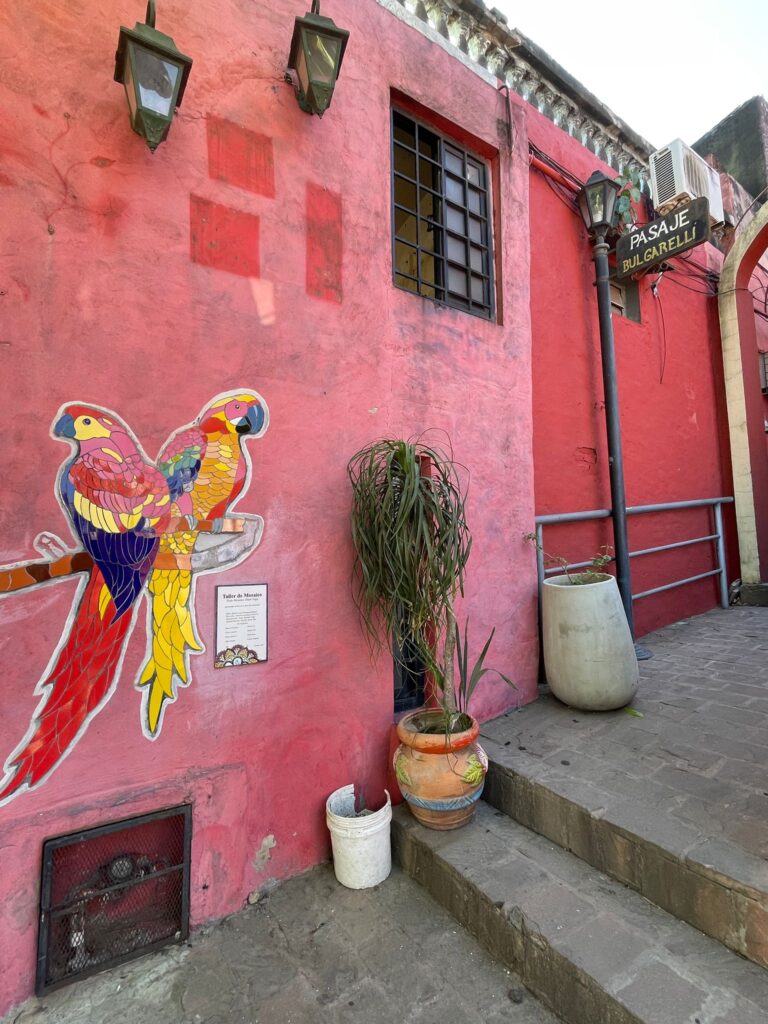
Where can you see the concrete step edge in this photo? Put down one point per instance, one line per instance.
(665, 865)
(591, 950)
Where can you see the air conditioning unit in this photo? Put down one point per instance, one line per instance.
(678, 175)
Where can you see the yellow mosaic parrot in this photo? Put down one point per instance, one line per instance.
(207, 467)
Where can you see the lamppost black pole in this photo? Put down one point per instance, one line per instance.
(613, 424)
(597, 204)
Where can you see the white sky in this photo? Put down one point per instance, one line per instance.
(670, 69)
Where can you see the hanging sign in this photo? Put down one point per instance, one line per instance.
(241, 625)
(653, 243)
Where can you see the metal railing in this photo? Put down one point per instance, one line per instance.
(716, 504)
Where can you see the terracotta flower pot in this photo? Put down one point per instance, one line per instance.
(441, 776)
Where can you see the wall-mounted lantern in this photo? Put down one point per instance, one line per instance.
(317, 50)
(154, 74)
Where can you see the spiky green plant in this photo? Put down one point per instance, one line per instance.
(412, 543)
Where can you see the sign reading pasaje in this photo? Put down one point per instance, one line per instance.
(668, 236)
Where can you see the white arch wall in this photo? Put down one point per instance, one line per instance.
(743, 489)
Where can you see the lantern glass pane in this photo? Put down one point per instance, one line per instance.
(301, 71)
(130, 90)
(321, 53)
(597, 205)
(156, 80)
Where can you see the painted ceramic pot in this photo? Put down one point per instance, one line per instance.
(440, 776)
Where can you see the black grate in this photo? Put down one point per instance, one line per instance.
(112, 893)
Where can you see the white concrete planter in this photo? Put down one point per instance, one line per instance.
(589, 656)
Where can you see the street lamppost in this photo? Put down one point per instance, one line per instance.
(597, 204)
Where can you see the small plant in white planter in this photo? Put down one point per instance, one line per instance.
(589, 655)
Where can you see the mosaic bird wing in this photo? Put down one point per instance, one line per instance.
(115, 500)
(172, 626)
(180, 459)
(206, 470)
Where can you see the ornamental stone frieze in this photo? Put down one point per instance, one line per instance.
(482, 37)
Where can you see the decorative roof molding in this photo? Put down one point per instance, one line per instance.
(481, 38)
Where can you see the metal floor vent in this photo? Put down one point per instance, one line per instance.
(112, 893)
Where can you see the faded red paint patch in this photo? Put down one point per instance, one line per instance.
(240, 157)
(324, 243)
(223, 238)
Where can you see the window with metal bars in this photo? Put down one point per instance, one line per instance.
(441, 219)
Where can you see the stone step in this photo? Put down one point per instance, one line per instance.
(620, 825)
(590, 949)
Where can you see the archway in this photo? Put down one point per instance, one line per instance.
(744, 399)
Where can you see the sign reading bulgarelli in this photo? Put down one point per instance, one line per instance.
(668, 236)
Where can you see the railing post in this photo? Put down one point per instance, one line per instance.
(540, 561)
(721, 555)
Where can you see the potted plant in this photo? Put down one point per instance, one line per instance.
(589, 656)
(412, 543)
(440, 767)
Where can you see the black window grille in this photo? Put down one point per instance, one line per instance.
(763, 365)
(112, 893)
(441, 219)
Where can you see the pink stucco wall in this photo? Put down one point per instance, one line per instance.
(251, 250)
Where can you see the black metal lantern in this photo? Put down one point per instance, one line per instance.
(597, 203)
(317, 50)
(154, 73)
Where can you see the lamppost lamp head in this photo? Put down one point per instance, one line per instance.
(597, 203)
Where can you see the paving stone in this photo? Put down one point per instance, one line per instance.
(659, 995)
(311, 952)
(673, 806)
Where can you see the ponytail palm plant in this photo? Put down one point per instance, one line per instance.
(412, 544)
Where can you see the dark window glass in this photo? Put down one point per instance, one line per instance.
(442, 234)
(409, 679)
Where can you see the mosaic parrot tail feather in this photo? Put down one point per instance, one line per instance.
(77, 686)
(173, 636)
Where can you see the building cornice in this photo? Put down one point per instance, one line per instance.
(482, 39)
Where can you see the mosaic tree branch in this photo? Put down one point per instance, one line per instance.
(29, 574)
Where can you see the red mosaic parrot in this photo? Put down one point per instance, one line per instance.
(118, 503)
(206, 467)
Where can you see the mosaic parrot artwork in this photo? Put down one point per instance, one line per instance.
(145, 530)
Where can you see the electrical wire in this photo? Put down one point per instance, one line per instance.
(561, 194)
(744, 214)
(551, 162)
(696, 291)
(660, 307)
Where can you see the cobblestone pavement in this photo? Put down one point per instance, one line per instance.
(698, 756)
(312, 952)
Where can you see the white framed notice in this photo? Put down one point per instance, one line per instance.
(241, 625)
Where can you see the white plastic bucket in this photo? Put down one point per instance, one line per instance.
(362, 855)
